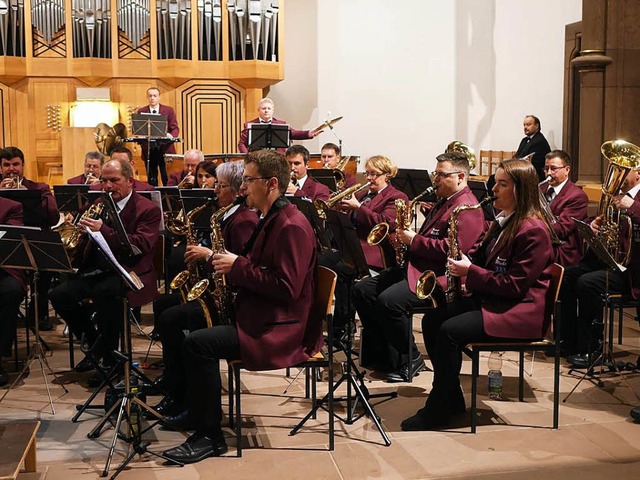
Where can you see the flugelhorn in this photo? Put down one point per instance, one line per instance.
(322, 205)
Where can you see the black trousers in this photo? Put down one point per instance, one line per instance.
(11, 295)
(106, 292)
(383, 304)
(581, 302)
(203, 350)
(171, 326)
(156, 160)
(344, 310)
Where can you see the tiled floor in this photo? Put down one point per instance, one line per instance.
(596, 438)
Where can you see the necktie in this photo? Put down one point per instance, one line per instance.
(367, 198)
(551, 194)
(430, 215)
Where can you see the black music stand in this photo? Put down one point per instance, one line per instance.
(412, 182)
(309, 210)
(170, 198)
(480, 190)
(31, 200)
(605, 355)
(35, 250)
(196, 197)
(268, 135)
(70, 198)
(349, 246)
(324, 176)
(123, 405)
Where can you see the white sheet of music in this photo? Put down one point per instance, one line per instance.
(132, 279)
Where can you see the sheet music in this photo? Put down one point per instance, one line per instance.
(132, 279)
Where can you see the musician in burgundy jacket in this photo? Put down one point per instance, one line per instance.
(301, 184)
(155, 158)
(383, 302)
(566, 201)
(12, 288)
(93, 162)
(508, 281)
(125, 155)
(265, 115)
(330, 155)
(97, 280)
(275, 279)
(191, 160)
(237, 225)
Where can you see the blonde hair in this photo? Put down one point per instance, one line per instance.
(383, 165)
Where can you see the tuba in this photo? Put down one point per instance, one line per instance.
(460, 147)
(623, 157)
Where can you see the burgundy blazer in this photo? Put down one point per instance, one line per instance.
(175, 178)
(48, 201)
(430, 248)
(570, 202)
(314, 190)
(11, 214)
(381, 208)
(275, 293)
(138, 186)
(513, 285)
(79, 180)
(172, 127)
(141, 220)
(634, 261)
(293, 134)
(349, 181)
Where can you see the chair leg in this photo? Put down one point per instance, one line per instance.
(72, 362)
(556, 388)
(230, 393)
(521, 376)
(620, 322)
(475, 361)
(238, 414)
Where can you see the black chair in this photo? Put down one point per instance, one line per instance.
(619, 303)
(550, 345)
(321, 310)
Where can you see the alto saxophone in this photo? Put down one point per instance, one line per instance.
(218, 295)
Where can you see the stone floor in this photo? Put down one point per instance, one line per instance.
(596, 438)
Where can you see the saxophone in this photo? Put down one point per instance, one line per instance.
(454, 285)
(218, 295)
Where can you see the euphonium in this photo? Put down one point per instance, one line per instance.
(623, 157)
(460, 147)
(322, 205)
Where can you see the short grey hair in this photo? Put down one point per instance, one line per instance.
(231, 172)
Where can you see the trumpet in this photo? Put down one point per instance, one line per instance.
(184, 183)
(89, 176)
(16, 181)
(338, 171)
(322, 205)
(546, 211)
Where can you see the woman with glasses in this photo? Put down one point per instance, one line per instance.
(367, 209)
(507, 275)
(237, 225)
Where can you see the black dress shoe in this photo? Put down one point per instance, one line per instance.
(402, 375)
(4, 378)
(196, 448)
(425, 419)
(584, 360)
(85, 365)
(179, 422)
(635, 414)
(167, 407)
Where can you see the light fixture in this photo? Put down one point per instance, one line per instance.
(93, 106)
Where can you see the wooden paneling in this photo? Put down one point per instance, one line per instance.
(76, 142)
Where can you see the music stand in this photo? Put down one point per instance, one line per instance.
(349, 246)
(35, 250)
(309, 210)
(196, 197)
(605, 355)
(170, 198)
(268, 135)
(324, 176)
(412, 182)
(148, 124)
(480, 190)
(70, 198)
(31, 200)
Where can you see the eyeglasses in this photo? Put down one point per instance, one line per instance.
(221, 185)
(372, 174)
(553, 168)
(444, 174)
(251, 179)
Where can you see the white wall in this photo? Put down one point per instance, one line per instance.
(411, 76)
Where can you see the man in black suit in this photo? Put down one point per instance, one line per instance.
(534, 143)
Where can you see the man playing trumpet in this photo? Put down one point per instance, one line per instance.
(302, 185)
(186, 178)
(93, 162)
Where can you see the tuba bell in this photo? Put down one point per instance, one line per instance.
(460, 147)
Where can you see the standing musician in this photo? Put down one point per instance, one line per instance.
(265, 115)
(331, 156)
(301, 184)
(534, 143)
(155, 157)
(508, 279)
(12, 289)
(275, 282)
(96, 279)
(367, 210)
(384, 302)
(12, 165)
(566, 201)
(125, 155)
(237, 225)
(185, 178)
(93, 162)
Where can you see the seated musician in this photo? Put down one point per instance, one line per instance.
(93, 162)
(301, 184)
(330, 155)
(12, 289)
(154, 158)
(566, 201)
(185, 178)
(125, 155)
(97, 281)
(237, 225)
(12, 165)
(367, 209)
(508, 278)
(584, 284)
(275, 284)
(384, 302)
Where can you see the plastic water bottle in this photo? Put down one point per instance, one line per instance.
(495, 375)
